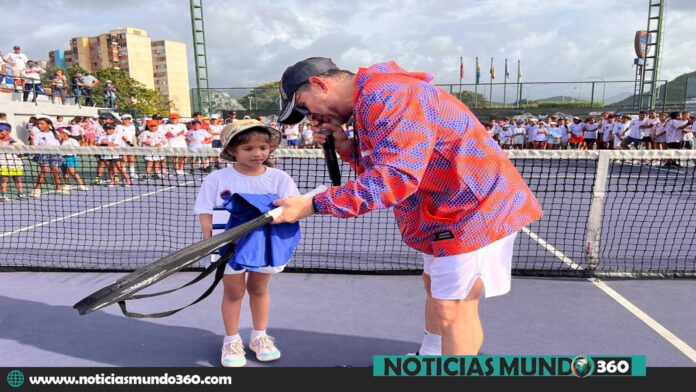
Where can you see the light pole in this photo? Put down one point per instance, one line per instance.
(604, 87)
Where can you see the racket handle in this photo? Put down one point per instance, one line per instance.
(330, 158)
(309, 195)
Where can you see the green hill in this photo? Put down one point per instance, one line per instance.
(676, 91)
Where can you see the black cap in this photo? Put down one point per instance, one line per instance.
(109, 116)
(294, 77)
(109, 126)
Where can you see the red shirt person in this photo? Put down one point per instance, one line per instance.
(418, 149)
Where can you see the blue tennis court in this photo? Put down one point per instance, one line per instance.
(329, 319)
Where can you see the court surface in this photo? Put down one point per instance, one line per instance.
(338, 319)
(328, 320)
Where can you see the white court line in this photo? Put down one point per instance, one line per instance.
(62, 218)
(633, 309)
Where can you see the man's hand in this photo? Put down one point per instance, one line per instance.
(341, 141)
(294, 209)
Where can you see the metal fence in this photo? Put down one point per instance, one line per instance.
(611, 95)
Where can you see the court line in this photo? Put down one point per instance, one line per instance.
(93, 209)
(621, 300)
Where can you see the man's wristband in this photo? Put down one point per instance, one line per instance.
(314, 205)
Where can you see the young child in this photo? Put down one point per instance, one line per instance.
(247, 144)
(70, 162)
(113, 162)
(151, 138)
(10, 164)
(200, 138)
(47, 162)
(175, 132)
(126, 134)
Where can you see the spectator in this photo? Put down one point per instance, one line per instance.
(590, 138)
(70, 162)
(113, 162)
(308, 137)
(506, 137)
(32, 79)
(176, 135)
(577, 133)
(660, 133)
(554, 137)
(17, 62)
(76, 85)
(620, 130)
(31, 129)
(78, 133)
(565, 132)
(233, 117)
(540, 137)
(150, 138)
(11, 165)
(215, 131)
(199, 138)
(109, 95)
(635, 132)
(47, 162)
(60, 122)
(126, 134)
(89, 82)
(518, 136)
(291, 135)
(59, 85)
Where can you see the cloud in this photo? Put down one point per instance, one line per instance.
(250, 43)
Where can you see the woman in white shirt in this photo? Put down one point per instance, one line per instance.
(32, 79)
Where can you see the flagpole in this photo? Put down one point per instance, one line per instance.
(476, 85)
(490, 91)
(461, 74)
(519, 79)
(505, 84)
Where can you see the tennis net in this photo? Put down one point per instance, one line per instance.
(607, 213)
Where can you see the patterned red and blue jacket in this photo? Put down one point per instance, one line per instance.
(422, 152)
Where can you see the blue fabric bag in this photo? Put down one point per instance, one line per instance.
(267, 246)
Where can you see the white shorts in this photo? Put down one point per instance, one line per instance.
(452, 277)
(262, 270)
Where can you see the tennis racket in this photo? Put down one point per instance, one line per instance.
(125, 288)
(330, 158)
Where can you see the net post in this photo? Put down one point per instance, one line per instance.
(594, 222)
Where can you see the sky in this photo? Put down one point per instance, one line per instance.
(252, 42)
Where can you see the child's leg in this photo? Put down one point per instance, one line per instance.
(42, 175)
(259, 299)
(3, 183)
(56, 176)
(65, 171)
(110, 169)
(234, 288)
(122, 169)
(75, 175)
(18, 184)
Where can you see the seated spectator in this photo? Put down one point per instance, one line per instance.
(11, 165)
(32, 79)
(59, 85)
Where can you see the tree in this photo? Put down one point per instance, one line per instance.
(263, 97)
(473, 99)
(132, 95)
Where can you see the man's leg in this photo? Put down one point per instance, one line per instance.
(457, 321)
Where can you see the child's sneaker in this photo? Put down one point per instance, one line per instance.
(63, 191)
(4, 198)
(112, 183)
(21, 196)
(83, 187)
(128, 183)
(36, 193)
(67, 187)
(233, 354)
(264, 348)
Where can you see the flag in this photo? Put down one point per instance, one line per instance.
(492, 69)
(507, 72)
(461, 68)
(478, 71)
(519, 72)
